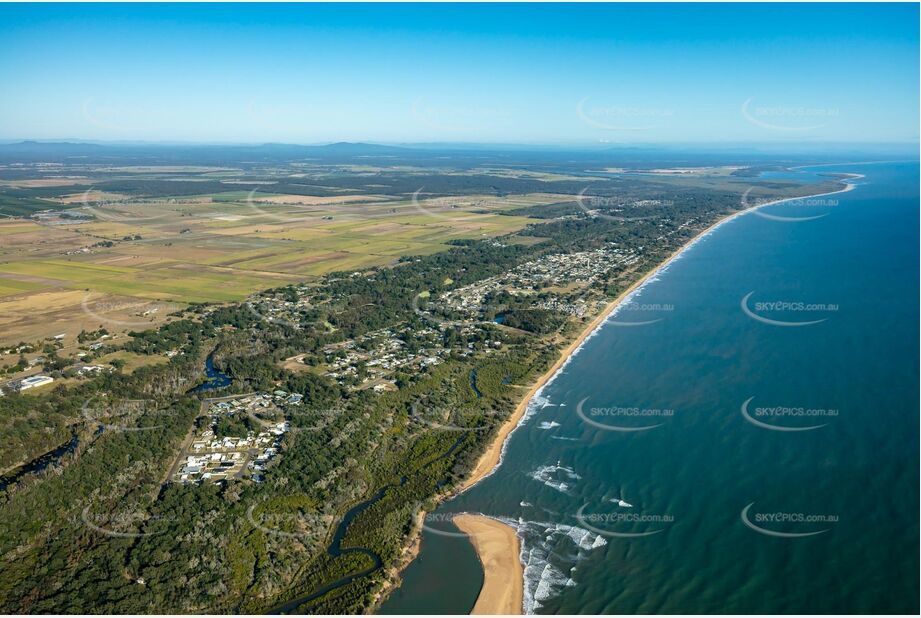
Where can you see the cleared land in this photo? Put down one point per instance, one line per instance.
(138, 260)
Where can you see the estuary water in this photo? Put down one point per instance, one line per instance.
(743, 439)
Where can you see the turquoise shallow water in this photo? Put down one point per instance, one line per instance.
(846, 490)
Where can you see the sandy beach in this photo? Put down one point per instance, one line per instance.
(493, 455)
(497, 547)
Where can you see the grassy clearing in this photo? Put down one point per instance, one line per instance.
(131, 360)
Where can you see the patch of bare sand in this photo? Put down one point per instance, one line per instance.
(498, 549)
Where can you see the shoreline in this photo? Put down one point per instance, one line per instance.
(498, 549)
(491, 459)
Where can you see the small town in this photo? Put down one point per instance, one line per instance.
(212, 457)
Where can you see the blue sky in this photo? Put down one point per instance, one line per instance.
(549, 74)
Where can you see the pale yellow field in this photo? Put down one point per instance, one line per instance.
(312, 200)
(200, 249)
(46, 182)
(90, 196)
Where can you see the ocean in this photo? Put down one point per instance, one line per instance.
(744, 439)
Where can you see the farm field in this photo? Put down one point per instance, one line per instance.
(136, 260)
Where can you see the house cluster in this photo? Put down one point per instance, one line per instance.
(213, 458)
(279, 307)
(561, 269)
(83, 370)
(368, 361)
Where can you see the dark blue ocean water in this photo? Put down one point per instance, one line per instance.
(765, 325)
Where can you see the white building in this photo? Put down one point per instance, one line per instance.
(33, 381)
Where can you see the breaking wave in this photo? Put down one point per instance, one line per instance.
(549, 555)
(556, 476)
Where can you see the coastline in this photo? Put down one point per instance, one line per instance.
(498, 549)
(492, 457)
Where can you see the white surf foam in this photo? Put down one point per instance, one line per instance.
(556, 476)
(549, 553)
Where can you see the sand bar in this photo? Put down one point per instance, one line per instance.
(498, 549)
